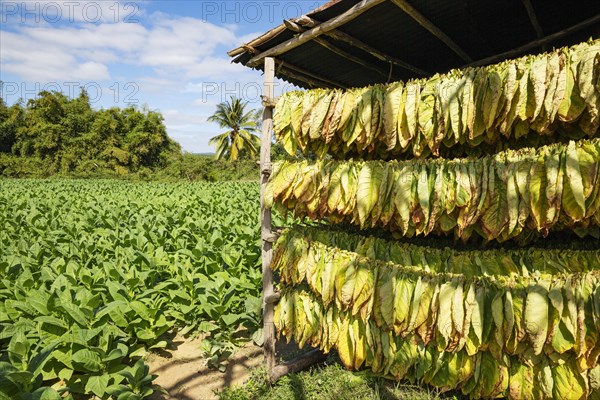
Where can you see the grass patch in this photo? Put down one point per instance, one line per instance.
(329, 382)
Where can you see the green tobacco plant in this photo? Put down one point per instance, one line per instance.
(94, 274)
(21, 374)
(137, 384)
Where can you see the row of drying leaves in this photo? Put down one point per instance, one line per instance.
(522, 336)
(481, 375)
(506, 323)
(513, 194)
(292, 246)
(548, 94)
(95, 273)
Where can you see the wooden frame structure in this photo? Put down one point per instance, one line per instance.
(265, 215)
(328, 35)
(268, 238)
(538, 29)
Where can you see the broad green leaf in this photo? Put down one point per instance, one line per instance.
(536, 315)
(573, 200)
(97, 384)
(87, 360)
(368, 183)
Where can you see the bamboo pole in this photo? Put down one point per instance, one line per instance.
(310, 78)
(265, 37)
(265, 214)
(291, 25)
(348, 56)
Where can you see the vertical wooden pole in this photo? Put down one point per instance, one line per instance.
(265, 214)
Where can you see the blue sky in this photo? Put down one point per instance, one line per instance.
(168, 55)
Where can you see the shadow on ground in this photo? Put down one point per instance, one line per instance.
(183, 373)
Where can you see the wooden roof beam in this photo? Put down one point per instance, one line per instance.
(533, 18)
(290, 67)
(535, 43)
(311, 82)
(333, 48)
(294, 26)
(258, 41)
(250, 49)
(351, 57)
(327, 26)
(427, 24)
(306, 21)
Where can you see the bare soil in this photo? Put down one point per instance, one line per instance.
(184, 374)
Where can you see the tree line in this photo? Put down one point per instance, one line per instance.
(56, 135)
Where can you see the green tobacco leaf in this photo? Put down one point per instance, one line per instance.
(369, 180)
(87, 360)
(97, 384)
(392, 99)
(568, 384)
(573, 199)
(536, 315)
(538, 183)
(45, 393)
(495, 217)
(386, 298)
(444, 320)
(521, 381)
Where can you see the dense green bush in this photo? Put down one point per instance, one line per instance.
(53, 134)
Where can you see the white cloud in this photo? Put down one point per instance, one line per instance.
(179, 64)
(43, 62)
(172, 45)
(112, 37)
(159, 84)
(182, 42)
(179, 118)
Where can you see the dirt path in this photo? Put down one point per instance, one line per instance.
(183, 373)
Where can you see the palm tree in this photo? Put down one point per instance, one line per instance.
(239, 139)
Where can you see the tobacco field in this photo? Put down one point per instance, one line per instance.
(94, 274)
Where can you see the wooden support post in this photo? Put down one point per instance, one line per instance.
(270, 297)
(297, 364)
(265, 215)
